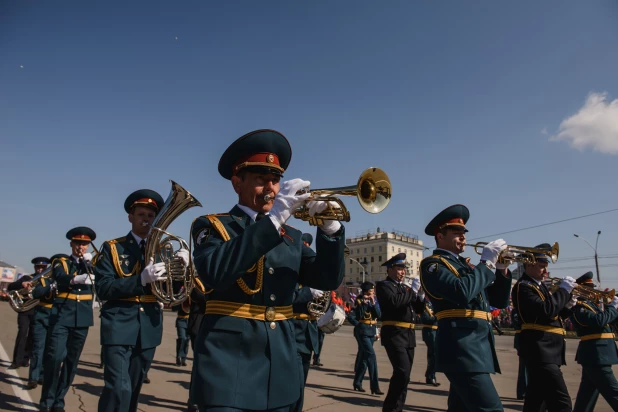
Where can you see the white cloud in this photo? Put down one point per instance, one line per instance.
(544, 131)
(594, 126)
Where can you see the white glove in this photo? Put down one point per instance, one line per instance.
(416, 285)
(184, 255)
(572, 302)
(567, 283)
(420, 295)
(81, 280)
(614, 302)
(153, 272)
(316, 293)
(287, 201)
(161, 305)
(329, 227)
(87, 257)
(492, 250)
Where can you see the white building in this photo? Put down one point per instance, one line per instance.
(370, 249)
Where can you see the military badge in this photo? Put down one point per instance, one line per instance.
(202, 236)
(432, 268)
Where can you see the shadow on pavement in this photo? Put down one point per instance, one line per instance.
(376, 403)
(11, 402)
(165, 367)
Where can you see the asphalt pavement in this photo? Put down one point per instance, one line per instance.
(329, 388)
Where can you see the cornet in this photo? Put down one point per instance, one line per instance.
(521, 254)
(586, 292)
(373, 191)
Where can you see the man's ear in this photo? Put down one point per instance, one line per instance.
(130, 216)
(236, 181)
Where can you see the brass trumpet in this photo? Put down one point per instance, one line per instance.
(588, 293)
(373, 191)
(521, 254)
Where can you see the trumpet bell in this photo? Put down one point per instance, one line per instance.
(373, 190)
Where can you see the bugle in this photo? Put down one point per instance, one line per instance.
(588, 293)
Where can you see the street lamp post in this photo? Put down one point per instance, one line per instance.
(361, 265)
(596, 256)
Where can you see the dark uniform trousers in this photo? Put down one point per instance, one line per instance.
(39, 338)
(316, 355)
(44, 293)
(70, 318)
(596, 354)
(306, 334)
(182, 340)
(430, 326)
(249, 360)
(398, 304)
(25, 327)
(461, 295)
(131, 323)
(522, 373)
(366, 315)
(542, 345)
(25, 333)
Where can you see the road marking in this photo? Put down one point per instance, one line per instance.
(24, 397)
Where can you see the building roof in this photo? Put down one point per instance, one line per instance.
(6, 265)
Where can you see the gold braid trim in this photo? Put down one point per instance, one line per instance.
(259, 281)
(116, 260)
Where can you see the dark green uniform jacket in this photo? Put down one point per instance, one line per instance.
(368, 313)
(73, 303)
(590, 320)
(306, 330)
(429, 321)
(535, 305)
(463, 344)
(117, 272)
(248, 363)
(43, 292)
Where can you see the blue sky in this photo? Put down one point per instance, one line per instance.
(498, 106)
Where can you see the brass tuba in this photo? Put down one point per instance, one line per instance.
(373, 191)
(161, 249)
(318, 306)
(21, 300)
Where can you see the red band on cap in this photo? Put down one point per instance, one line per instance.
(453, 222)
(145, 201)
(588, 281)
(257, 159)
(82, 237)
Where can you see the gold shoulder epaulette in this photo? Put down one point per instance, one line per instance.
(119, 239)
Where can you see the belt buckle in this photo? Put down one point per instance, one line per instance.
(270, 314)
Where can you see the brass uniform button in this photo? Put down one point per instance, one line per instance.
(273, 325)
(270, 314)
(271, 271)
(273, 297)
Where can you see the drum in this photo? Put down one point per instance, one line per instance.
(332, 320)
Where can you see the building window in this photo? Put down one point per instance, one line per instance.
(372, 258)
(380, 258)
(417, 253)
(379, 248)
(351, 251)
(371, 249)
(365, 250)
(393, 247)
(399, 250)
(350, 271)
(357, 251)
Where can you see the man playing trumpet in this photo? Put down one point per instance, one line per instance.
(541, 341)
(461, 295)
(69, 321)
(596, 351)
(246, 355)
